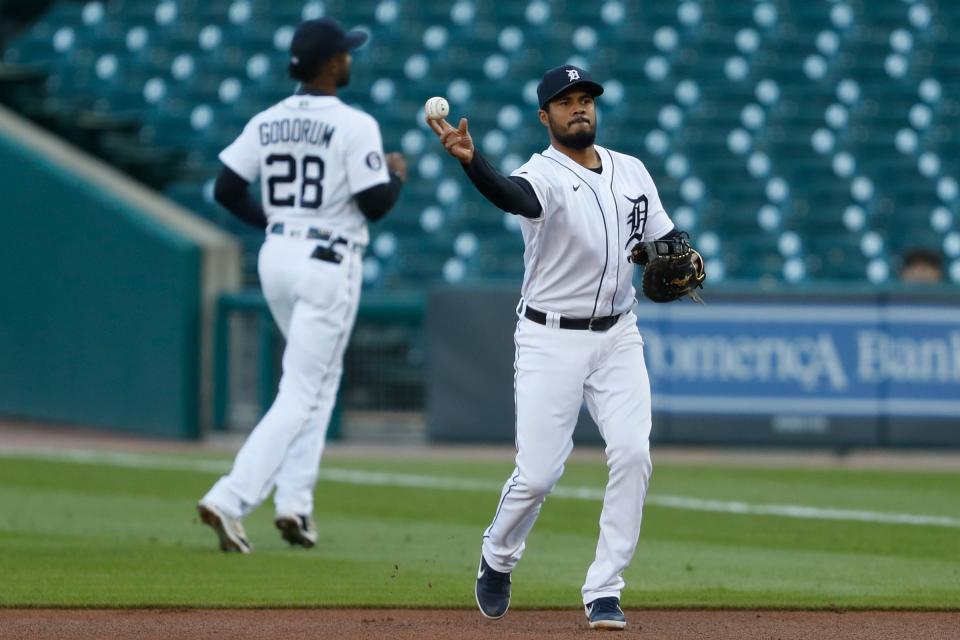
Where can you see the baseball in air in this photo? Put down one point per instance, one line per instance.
(437, 108)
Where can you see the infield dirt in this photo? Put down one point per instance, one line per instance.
(416, 624)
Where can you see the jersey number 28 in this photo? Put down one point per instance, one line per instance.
(310, 178)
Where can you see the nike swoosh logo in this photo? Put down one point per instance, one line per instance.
(576, 187)
(480, 574)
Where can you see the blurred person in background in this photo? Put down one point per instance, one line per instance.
(323, 176)
(922, 265)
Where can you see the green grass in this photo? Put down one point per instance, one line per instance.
(97, 535)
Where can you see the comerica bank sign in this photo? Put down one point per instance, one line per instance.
(882, 357)
(804, 359)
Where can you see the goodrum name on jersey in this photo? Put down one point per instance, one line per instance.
(296, 130)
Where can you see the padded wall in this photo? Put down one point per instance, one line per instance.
(100, 305)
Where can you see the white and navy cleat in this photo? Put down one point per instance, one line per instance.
(605, 613)
(229, 530)
(493, 591)
(297, 530)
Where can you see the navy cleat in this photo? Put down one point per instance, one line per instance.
(493, 591)
(605, 613)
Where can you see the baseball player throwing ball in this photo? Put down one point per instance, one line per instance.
(586, 213)
(323, 175)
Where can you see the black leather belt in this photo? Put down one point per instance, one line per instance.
(582, 324)
(310, 233)
(324, 252)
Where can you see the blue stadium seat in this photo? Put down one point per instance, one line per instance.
(755, 119)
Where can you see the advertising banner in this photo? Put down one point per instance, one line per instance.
(822, 370)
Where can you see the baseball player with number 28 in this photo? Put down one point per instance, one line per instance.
(323, 175)
(586, 213)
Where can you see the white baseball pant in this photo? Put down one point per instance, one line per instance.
(556, 371)
(314, 303)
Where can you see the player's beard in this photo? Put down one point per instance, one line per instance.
(580, 139)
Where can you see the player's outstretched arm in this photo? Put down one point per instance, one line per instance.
(511, 194)
(458, 142)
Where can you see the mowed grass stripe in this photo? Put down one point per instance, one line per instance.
(416, 481)
(108, 535)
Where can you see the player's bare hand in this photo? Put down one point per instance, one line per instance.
(457, 142)
(397, 164)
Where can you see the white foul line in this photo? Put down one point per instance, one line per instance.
(380, 479)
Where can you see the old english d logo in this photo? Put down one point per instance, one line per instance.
(637, 218)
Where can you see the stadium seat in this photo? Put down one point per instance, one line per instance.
(755, 119)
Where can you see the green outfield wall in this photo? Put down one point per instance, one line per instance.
(106, 294)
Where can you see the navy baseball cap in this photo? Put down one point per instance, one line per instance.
(316, 40)
(560, 79)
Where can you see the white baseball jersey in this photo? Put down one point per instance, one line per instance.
(313, 154)
(575, 260)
